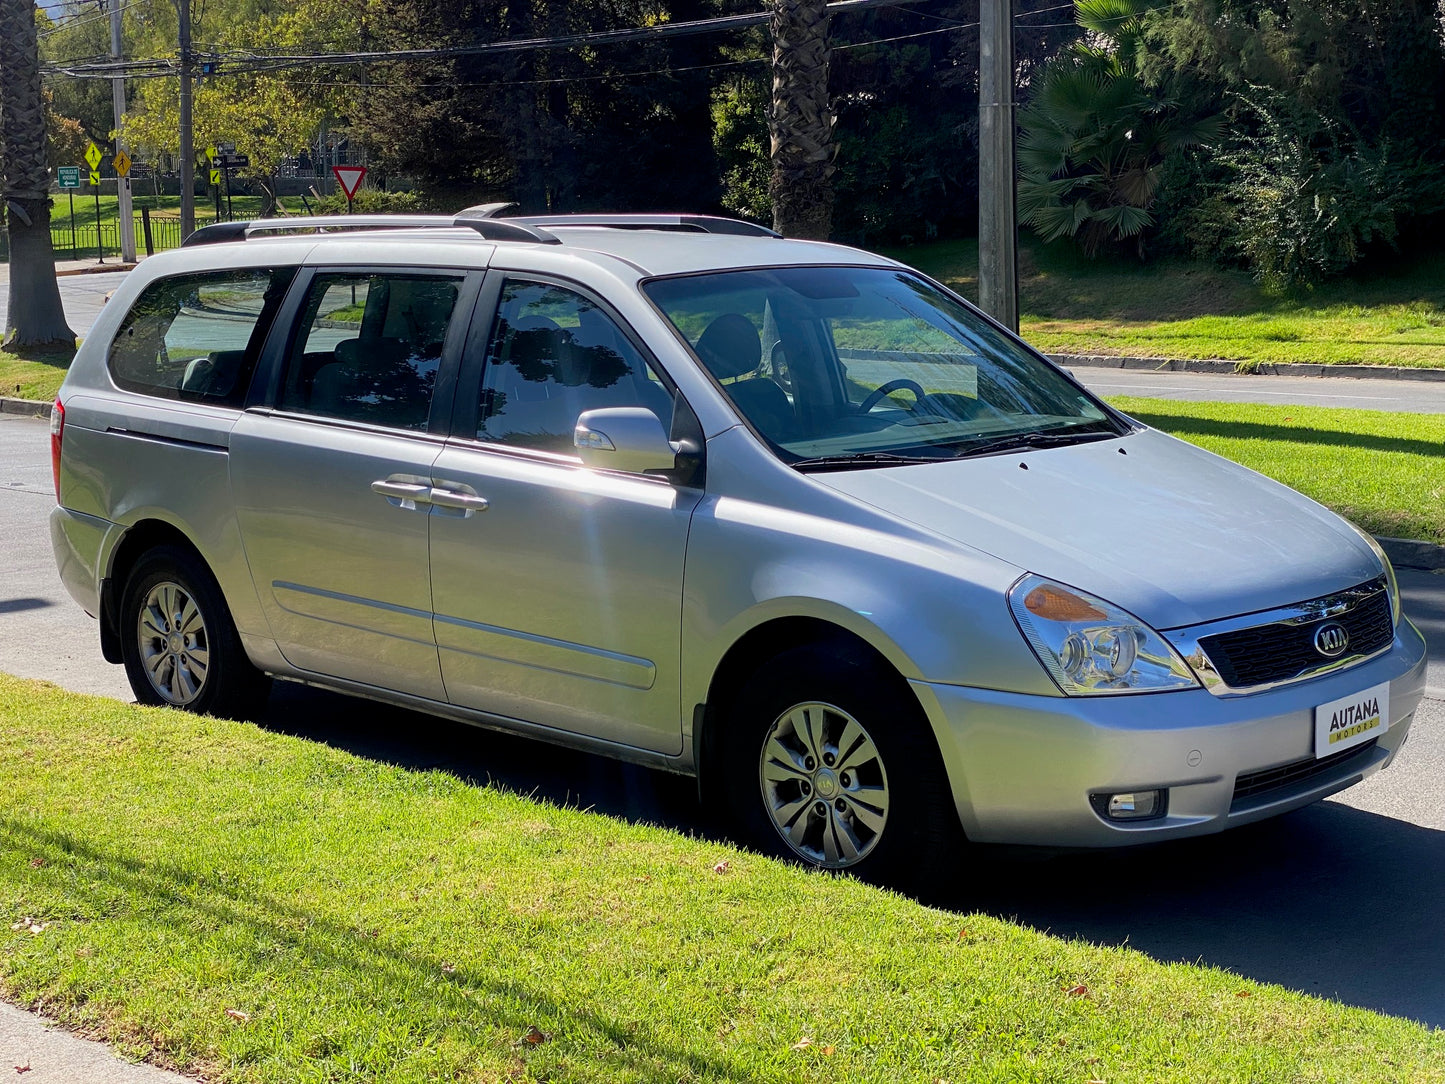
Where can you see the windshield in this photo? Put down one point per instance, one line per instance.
(870, 366)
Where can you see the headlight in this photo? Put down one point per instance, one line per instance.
(1390, 582)
(1092, 647)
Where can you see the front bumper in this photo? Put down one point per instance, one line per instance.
(1022, 767)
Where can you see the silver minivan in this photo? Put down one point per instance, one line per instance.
(788, 516)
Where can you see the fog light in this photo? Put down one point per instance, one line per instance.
(1134, 805)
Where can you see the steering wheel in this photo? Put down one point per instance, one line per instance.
(878, 394)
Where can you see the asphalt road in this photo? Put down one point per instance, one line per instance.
(82, 295)
(1342, 899)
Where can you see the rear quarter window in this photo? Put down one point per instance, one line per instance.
(197, 337)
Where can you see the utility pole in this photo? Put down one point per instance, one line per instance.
(122, 184)
(188, 151)
(998, 278)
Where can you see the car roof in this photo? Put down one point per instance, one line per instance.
(649, 250)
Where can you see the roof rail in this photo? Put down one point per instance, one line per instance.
(681, 222)
(490, 229)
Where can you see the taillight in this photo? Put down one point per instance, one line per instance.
(57, 430)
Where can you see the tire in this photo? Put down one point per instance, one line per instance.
(178, 642)
(827, 760)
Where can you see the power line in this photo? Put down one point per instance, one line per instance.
(254, 62)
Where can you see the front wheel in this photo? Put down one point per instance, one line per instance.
(179, 644)
(830, 762)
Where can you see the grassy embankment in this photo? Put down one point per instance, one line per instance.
(1069, 305)
(257, 907)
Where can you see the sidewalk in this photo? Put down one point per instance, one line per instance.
(41, 1053)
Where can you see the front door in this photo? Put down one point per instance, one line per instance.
(331, 484)
(561, 602)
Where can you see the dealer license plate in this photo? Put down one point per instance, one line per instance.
(1352, 720)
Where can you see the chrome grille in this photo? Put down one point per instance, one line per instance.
(1258, 651)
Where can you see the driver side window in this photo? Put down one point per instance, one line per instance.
(553, 354)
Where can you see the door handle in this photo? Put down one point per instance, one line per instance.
(410, 494)
(464, 502)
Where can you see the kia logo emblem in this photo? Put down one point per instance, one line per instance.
(1331, 639)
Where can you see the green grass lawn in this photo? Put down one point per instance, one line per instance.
(1116, 305)
(29, 373)
(256, 907)
(1383, 471)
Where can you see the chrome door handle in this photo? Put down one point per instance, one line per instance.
(451, 498)
(409, 493)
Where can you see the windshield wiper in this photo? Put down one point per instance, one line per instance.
(1036, 440)
(855, 460)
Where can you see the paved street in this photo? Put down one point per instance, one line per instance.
(1341, 900)
(1395, 395)
(82, 295)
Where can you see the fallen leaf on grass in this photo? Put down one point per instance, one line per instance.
(1079, 991)
(722, 867)
(238, 1014)
(802, 1044)
(35, 863)
(963, 934)
(828, 1050)
(449, 968)
(533, 1037)
(1242, 993)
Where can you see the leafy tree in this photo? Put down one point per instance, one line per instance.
(1095, 136)
(1337, 116)
(619, 128)
(34, 314)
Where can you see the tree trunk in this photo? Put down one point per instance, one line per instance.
(34, 315)
(800, 121)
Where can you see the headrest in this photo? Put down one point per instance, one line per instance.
(730, 346)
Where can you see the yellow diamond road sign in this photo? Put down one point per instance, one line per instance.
(215, 176)
(93, 156)
(95, 177)
(212, 153)
(121, 162)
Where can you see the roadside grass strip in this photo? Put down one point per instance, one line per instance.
(1382, 470)
(1171, 309)
(226, 900)
(33, 373)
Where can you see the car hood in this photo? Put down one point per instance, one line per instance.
(1172, 533)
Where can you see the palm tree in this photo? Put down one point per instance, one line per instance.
(35, 316)
(1095, 137)
(801, 120)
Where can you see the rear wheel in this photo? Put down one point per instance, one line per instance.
(829, 761)
(179, 644)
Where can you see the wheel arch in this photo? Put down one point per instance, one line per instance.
(139, 539)
(746, 655)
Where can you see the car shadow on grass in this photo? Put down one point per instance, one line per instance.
(1329, 901)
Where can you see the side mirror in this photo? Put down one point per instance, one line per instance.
(627, 439)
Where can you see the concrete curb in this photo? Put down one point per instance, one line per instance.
(97, 269)
(29, 407)
(1243, 368)
(1411, 553)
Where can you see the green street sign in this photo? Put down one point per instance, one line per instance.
(68, 176)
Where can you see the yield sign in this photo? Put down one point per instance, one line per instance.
(349, 177)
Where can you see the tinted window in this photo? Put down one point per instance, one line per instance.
(554, 354)
(369, 348)
(197, 337)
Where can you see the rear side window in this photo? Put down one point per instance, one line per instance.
(197, 337)
(369, 348)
